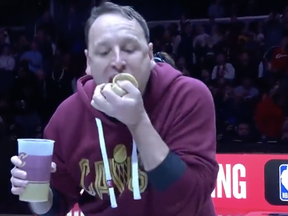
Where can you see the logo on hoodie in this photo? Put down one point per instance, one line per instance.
(121, 172)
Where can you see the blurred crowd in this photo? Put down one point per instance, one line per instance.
(38, 72)
(244, 64)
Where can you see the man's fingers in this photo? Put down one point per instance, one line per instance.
(98, 97)
(128, 87)
(15, 160)
(99, 101)
(109, 94)
(17, 190)
(18, 182)
(98, 89)
(19, 174)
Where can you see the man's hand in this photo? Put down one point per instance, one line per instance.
(18, 176)
(128, 109)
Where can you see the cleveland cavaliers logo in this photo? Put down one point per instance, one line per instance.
(22, 157)
(120, 166)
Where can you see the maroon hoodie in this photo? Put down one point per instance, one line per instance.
(181, 110)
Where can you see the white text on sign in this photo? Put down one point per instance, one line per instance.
(230, 181)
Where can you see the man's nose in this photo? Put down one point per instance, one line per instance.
(118, 63)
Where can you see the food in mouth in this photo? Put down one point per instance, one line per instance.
(121, 77)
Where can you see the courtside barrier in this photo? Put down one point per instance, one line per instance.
(246, 183)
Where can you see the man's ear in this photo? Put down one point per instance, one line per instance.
(151, 56)
(150, 50)
(88, 69)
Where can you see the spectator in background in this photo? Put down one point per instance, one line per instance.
(251, 45)
(201, 36)
(262, 69)
(5, 111)
(223, 88)
(208, 26)
(45, 47)
(71, 28)
(168, 42)
(216, 10)
(46, 23)
(273, 30)
(206, 76)
(240, 133)
(78, 69)
(215, 35)
(245, 67)
(284, 18)
(7, 65)
(176, 42)
(26, 98)
(269, 116)
(58, 84)
(7, 61)
(44, 44)
(230, 108)
(2, 129)
(185, 47)
(3, 39)
(223, 68)
(284, 138)
(277, 57)
(34, 57)
(247, 90)
(243, 133)
(206, 53)
(182, 66)
(260, 40)
(22, 46)
(235, 28)
(164, 57)
(280, 97)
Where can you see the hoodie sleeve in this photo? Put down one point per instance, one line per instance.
(65, 190)
(192, 143)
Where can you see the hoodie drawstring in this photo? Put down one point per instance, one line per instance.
(109, 180)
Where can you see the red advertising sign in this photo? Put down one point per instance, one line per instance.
(247, 183)
(241, 182)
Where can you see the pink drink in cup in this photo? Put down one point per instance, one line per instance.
(36, 155)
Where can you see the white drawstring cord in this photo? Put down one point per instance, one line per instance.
(109, 180)
(135, 173)
(106, 164)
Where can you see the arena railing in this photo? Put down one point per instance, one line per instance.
(165, 23)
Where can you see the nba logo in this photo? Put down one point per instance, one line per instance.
(283, 182)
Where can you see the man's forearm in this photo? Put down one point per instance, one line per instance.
(151, 147)
(42, 208)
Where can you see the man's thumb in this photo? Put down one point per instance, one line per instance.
(53, 167)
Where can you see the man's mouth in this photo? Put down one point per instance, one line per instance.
(110, 80)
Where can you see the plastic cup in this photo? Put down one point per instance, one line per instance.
(36, 155)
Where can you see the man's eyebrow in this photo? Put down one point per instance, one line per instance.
(101, 43)
(106, 43)
(131, 39)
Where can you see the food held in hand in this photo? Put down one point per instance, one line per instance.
(121, 77)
